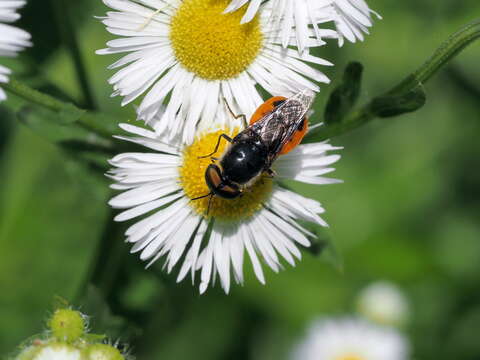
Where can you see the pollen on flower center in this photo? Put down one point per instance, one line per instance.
(192, 178)
(213, 45)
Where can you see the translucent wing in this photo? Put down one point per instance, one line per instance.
(277, 128)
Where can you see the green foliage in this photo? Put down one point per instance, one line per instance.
(406, 213)
(397, 104)
(344, 97)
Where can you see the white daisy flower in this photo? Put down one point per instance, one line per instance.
(299, 19)
(186, 57)
(58, 352)
(211, 236)
(384, 303)
(352, 18)
(350, 339)
(12, 39)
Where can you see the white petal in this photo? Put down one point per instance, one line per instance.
(222, 261)
(190, 262)
(257, 268)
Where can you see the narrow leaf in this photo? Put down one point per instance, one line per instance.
(344, 97)
(393, 105)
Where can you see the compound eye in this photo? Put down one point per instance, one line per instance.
(214, 180)
(213, 177)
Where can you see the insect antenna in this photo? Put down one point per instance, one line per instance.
(209, 200)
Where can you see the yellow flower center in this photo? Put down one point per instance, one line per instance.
(213, 45)
(192, 178)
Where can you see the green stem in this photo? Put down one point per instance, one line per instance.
(34, 96)
(107, 258)
(100, 124)
(448, 50)
(442, 55)
(95, 122)
(64, 21)
(408, 93)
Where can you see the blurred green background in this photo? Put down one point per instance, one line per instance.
(408, 212)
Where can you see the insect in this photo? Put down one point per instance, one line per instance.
(275, 128)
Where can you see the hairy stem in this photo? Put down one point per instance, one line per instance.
(95, 122)
(408, 93)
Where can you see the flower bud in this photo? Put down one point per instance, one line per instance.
(102, 352)
(67, 325)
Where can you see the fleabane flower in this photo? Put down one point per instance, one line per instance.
(350, 339)
(210, 236)
(12, 39)
(57, 351)
(188, 59)
(383, 302)
(298, 20)
(67, 338)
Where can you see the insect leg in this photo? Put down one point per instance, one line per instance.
(150, 18)
(201, 197)
(243, 116)
(226, 137)
(271, 173)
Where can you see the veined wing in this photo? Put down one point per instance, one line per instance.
(278, 127)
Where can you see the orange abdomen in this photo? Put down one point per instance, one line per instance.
(266, 108)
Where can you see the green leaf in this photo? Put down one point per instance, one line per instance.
(344, 97)
(65, 113)
(394, 105)
(44, 122)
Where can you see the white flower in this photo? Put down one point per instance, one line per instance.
(352, 18)
(384, 303)
(186, 57)
(58, 352)
(12, 39)
(350, 339)
(263, 221)
(299, 19)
